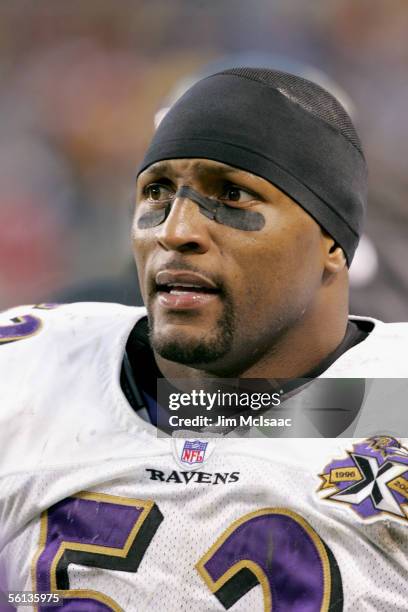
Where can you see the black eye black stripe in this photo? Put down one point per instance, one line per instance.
(246, 220)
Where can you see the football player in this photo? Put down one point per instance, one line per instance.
(249, 208)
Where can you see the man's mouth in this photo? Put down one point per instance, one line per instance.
(184, 290)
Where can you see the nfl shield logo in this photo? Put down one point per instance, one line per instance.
(193, 451)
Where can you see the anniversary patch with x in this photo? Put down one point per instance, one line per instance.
(372, 479)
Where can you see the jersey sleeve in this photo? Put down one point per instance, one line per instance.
(25, 351)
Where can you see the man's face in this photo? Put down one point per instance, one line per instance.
(219, 298)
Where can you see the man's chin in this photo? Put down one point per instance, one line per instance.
(192, 342)
(191, 352)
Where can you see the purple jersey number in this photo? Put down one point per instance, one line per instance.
(23, 327)
(95, 530)
(274, 547)
(279, 550)
(19, 328)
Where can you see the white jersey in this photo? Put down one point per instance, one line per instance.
(94, 506)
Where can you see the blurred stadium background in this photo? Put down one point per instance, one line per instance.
(81, 82)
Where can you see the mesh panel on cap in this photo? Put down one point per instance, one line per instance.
(310, 96)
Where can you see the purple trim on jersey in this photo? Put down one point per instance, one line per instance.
(287, 555)
(156, 413)
(151, 407)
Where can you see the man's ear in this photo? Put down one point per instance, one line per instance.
(335, 260)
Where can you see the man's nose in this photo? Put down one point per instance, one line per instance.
(185, 229)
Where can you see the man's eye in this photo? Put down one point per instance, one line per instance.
(235, 194)
(157, 193)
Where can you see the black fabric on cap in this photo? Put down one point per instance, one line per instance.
(282, 128)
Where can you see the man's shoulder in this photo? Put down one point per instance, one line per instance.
(47, 347)
(75, 311)
(382, 354)
(28, 327)
(59, 382)
(383, 335)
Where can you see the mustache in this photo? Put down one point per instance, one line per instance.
(176, 265)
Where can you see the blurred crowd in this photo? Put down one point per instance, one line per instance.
(81, 84)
